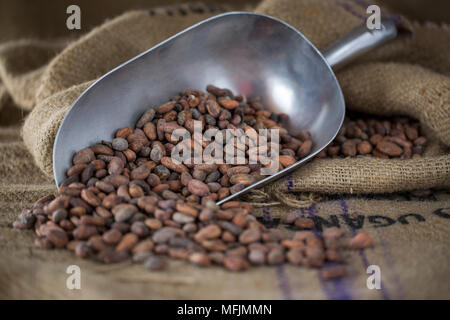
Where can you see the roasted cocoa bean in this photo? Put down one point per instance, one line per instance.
(360, 241)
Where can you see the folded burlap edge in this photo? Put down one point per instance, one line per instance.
(41, 125)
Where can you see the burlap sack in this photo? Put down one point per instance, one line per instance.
(411, 249)
(409, 76)
(411, 234)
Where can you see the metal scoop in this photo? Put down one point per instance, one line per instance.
(251, 54)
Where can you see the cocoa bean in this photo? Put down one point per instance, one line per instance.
(141, 172)
(389, 148)
(249, 236)
(112, 236)
(123, 212)
(127, 242)
(145, 118)
(169, 163)
(119, 144)
(84, 232)
(243, 179)
(166, 107)
(348, 148)
(124, 132)
(364, 147)
(235, 263)
(156, 263)
(295, 257)
(84, 156)
(200, 259)
(102, 149)
(360, 241)
(275, 256)
(210, 232)
(198, 188)
(57, 237)
(129, 196)
(304, 149)
(287, 161)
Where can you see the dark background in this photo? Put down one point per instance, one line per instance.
(46, 18)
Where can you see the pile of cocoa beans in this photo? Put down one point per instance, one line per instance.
(127, 198)
(398, 137)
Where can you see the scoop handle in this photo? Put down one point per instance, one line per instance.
(358, 42)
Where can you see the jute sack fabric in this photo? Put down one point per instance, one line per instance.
(410, 246)
(408, 76)
(411, 237)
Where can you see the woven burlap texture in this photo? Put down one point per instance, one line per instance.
(410, 246)
(409, 76)
(411, 237)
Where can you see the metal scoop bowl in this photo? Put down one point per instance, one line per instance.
(251, 54)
